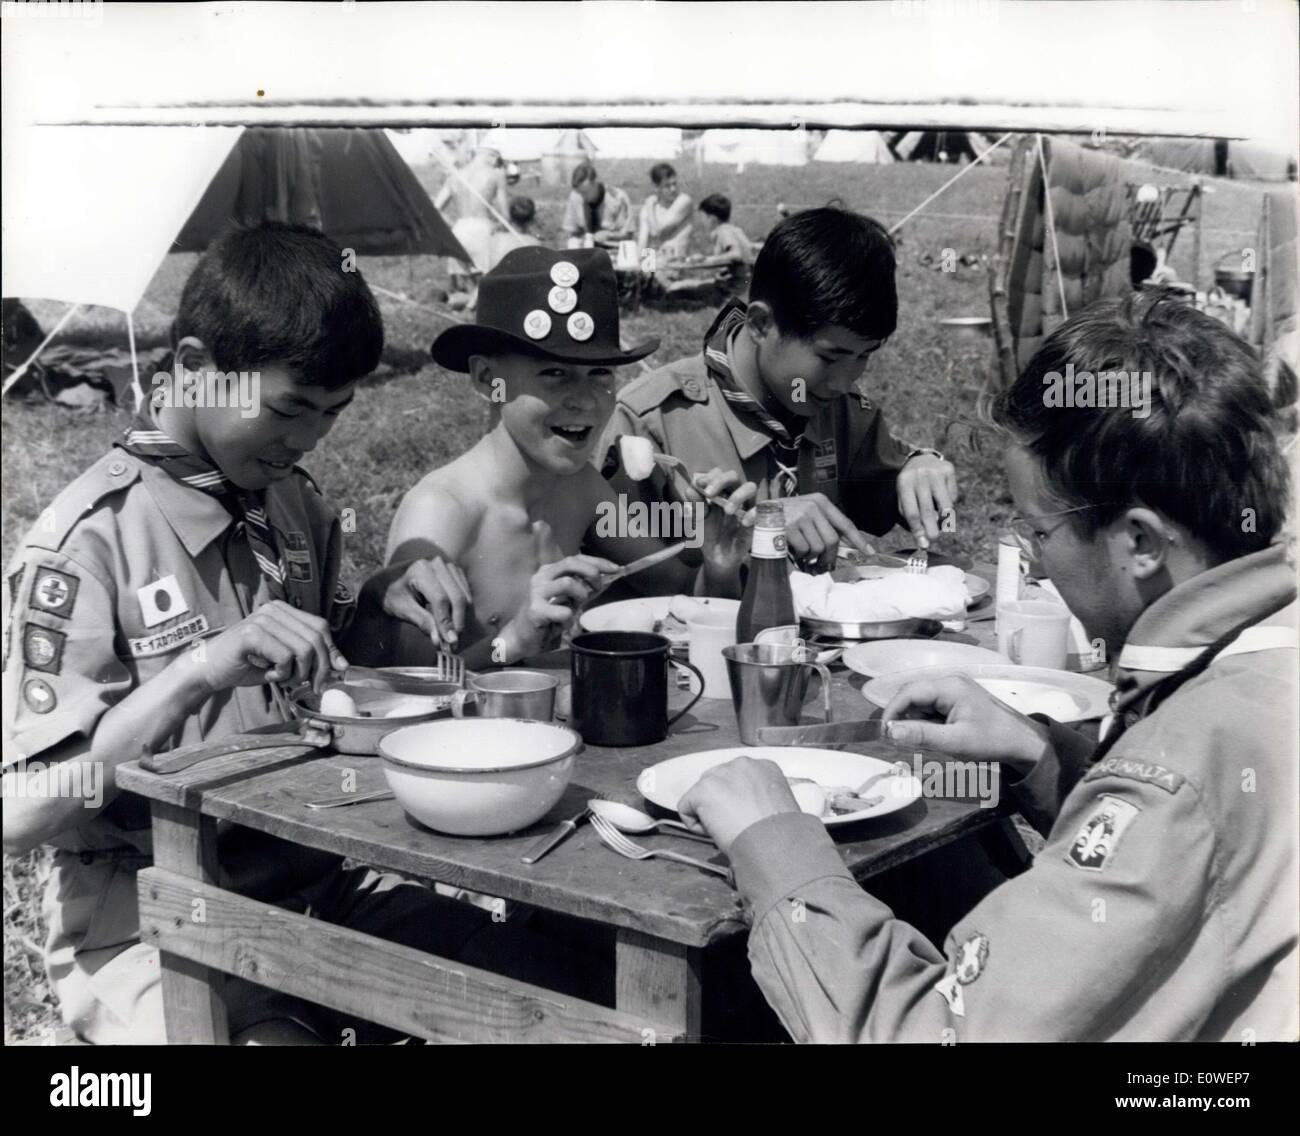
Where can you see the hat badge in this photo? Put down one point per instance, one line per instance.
(537, 324)
(564, 273)
(562, 300)
(581, 326)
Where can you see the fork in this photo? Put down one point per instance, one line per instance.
(446, 667)
(611, 836)
(918, 562)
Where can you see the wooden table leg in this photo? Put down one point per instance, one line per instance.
(194, 1008)
(659, 979)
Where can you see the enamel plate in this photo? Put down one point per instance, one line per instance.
(1062, 695)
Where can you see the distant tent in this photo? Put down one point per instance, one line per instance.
(350, 183)
(1263, 163)
(754, 147)
(522, 144)
(1187, 155)
(935, 146)
(867, 146)
(636, 142)
(425, 146)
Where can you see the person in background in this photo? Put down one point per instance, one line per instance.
(596, 213)
(522, 212)
(733, 252)
(479, 194)
(666, 216)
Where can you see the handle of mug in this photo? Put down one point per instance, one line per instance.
(459, 699)
(824, 674)
(1013, 644)
(699, 694)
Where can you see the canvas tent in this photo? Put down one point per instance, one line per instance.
(351, 184)
(661, 142)
(521, 144)
(754, 147)
(868, 146)
(1218, 156)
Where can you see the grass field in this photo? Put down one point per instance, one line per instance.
(413, 417)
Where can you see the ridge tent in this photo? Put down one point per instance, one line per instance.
(631, 142)
(754, 147)
(351, 184)
(521, 144)
(868, 146)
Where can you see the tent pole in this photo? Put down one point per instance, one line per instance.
(21, 371)
(135, 363)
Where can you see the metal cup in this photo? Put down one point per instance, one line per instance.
(768, 684)
(510, 694)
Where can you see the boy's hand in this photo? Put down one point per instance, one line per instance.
(555, 592)
(727, 523)
(965, 721)
(927, 491)
(434, 596)
(731, 797)
(277, 643)
(814, 528)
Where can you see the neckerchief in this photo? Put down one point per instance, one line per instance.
(784, 446)
(144, 439)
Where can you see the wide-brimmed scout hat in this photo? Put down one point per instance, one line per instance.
(542, 302)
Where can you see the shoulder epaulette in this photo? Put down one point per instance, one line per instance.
(648, 391)
(114, 473)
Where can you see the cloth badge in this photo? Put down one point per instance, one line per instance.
(537, 324)
(168, 640)
(1146, 771)
(43, 648)
(1099, 836)
(39, 695)
(564, 273)
(295, 542)
(972, 957)
(562, 300)
(54, 592)
(581, 326)
(161, 601)
(300, 572)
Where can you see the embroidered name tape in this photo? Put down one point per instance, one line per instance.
(1132, 770)
(170, 639)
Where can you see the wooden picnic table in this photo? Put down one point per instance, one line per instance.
(663, 914)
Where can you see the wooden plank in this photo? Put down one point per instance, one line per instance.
(358, 974)
(194, 1008)
(580, 878)
(659, 980)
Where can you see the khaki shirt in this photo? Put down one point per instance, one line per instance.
(127, 568)
(847, 452)
(1163, 905)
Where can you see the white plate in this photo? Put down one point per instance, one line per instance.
(645, 614)
(666, 783)
(1062, 695)
(976, 586)
(888, 656)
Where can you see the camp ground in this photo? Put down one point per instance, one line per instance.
(1017, 192)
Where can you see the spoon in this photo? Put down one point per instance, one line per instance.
(627, 819)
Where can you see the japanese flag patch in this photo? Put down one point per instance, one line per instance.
(1100, 834)
(161, 601)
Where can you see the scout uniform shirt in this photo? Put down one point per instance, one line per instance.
(126, 569)
(1163, 905)
(846, 452)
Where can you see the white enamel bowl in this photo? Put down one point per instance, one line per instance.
(479, 776)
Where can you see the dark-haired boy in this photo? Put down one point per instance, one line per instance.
(733, 252)
(772, 394)
(1163, 906)
(160, 601)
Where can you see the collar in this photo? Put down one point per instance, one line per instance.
(1175, 629)
(197, 518)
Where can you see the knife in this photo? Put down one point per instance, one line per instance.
(823, 733)
(551, 839)
(644, 562)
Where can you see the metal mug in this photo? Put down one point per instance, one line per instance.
(768, 684)
(620, 687)
(509, 694)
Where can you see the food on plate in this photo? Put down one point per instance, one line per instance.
(411, 705)
(638, 456)
(810, 797)
(681, 610)
(338, 704)
(642, 619)
(939, 593)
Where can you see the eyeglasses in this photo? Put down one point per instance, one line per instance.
(1024, 528)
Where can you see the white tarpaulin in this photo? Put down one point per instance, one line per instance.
(522, 144)
(630, 142)
(755, 147)
(90, 211)
(854, 146)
